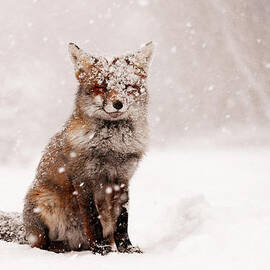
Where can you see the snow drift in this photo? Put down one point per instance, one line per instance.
(198, 208)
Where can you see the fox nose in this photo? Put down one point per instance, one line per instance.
(118, 105)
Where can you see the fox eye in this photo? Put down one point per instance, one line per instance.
(89, 91)
(100, 89)
(132, 87)
(96, 89)
(132, 90)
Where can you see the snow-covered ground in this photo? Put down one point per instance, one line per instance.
(190, 209)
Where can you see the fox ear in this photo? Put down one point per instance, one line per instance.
(144, 55)
(82, 61)
(75, 53)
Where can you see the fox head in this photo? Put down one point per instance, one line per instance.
(111, 88)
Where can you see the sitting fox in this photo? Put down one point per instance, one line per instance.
(79, 198)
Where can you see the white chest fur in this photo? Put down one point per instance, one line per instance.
(119, 137)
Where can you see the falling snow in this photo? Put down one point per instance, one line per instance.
(173, 49)
(61, 169)
(108, 190)
(143, 3)
(191, 207)
(73, 154)
(32, 238)
(37, 210)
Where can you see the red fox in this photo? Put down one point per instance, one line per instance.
(79, 198)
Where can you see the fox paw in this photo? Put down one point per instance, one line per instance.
(102, 250)
(130, 249)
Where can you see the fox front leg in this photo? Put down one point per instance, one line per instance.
(90, 221)
(121, 236)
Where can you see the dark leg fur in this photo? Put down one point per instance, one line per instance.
(91, 223)
(121, 237)
(58, 246)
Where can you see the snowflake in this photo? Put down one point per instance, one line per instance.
(73, 154)
(32, 238)
(108, 190)
(173, 49)
(37, 210)
(61, 169)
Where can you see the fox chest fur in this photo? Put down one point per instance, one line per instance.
(99, 158)
(109, 156)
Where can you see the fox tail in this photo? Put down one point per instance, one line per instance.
(12, 228)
